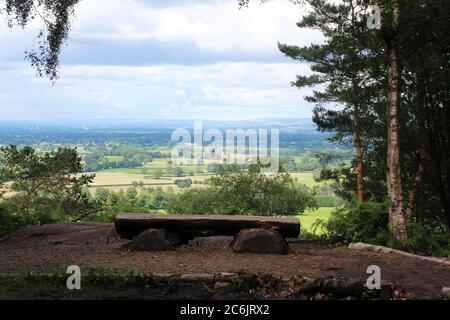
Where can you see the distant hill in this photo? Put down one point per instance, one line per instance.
(297, 133)
(279, 123)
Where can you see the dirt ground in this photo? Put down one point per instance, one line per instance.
(93, 244)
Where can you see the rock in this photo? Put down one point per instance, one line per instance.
(446, 292)
(214, 242)
(153, 240)
(113, 237)
(259, 241)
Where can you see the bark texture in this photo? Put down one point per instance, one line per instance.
(394, 180)
(359, 155)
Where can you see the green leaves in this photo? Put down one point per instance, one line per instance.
(365, 223)
(45, 182)
(55, 16)
(249, 192)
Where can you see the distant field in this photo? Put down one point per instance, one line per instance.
(308, 218)
(125, 187)
(114, 158)
(7, 193)
(125, 177)
(116, 178)
(306, 178)
(162, 165)
(116, 181)
(163, 150)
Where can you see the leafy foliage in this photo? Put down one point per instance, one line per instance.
(45, 185)
(249, 192)
(183, 183)
(366, 222)
(369, 223)
(55, 16)
(426, 241)
(350, 70)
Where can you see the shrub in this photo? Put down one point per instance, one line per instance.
(424, 240)
(11, 220)
(183, 183)
(366, 223)
(198, 201)
(328, 201)
(245, 193)
(369, 223)
(7, 220)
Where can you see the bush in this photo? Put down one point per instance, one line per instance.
(8, 221)
(103, 216)
(11, 220)
(245, 193)
(328, 201)
(366, 223)
(423, 240)
(183, 183)
(369, 223)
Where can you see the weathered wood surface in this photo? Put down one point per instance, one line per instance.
(191, 226)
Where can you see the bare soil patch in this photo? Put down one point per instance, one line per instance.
(95, 244)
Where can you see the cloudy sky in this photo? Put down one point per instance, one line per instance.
(138, 59)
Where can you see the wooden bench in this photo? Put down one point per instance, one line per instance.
(191, 226)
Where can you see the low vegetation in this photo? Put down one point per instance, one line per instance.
(250, 192)
(369, 222)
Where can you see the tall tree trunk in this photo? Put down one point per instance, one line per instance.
(359, 155)
(394, 181)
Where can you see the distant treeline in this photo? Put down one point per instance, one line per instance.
(118, 155)
(36, 136)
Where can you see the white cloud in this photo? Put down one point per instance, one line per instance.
(208, 91)
(217, 26)
(220, 87)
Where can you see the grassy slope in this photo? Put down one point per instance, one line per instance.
(128, 175)
(308, 218)
(306, 178)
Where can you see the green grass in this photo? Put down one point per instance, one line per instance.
(159, 164)
(124, 170)
(166, 151)
(308, 218)
(306, 178)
